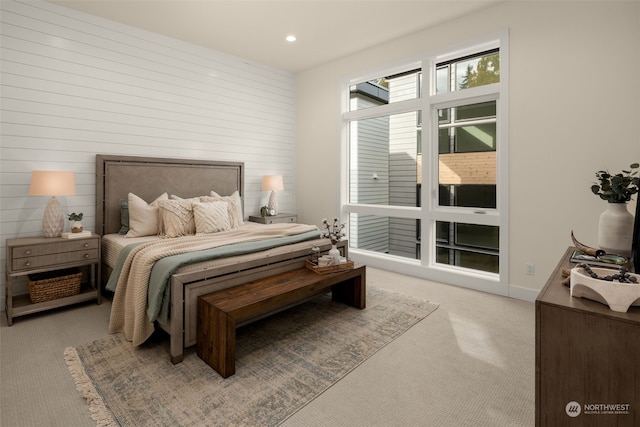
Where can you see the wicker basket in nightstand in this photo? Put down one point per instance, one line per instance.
(52, 285)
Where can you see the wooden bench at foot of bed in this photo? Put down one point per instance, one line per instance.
(221, 312)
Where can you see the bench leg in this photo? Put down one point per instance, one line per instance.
(217, 339)
(176, 348)
(352, 292)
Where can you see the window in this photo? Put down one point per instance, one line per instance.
(467, 72)
(467, 178)
(426, 170)
(384, 90)
(383, 149)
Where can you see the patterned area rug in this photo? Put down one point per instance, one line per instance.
(283, 363)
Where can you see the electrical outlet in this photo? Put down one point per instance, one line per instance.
(531, 269)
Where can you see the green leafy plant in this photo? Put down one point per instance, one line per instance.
(75, 217)
(617, 188)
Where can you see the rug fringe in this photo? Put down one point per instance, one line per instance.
(99, 412)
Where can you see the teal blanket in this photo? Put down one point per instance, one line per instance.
(159, 295)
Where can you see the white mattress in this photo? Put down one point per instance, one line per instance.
(112, 244)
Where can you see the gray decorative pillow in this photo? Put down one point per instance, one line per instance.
(124, 217)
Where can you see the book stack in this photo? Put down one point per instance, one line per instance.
(579, 256)
(76, 235)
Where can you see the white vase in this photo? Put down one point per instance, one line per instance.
(615, 229)
(335, 254)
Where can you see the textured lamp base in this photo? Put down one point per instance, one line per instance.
(273, 203)
(53, 221)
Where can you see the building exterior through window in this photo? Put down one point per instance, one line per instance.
(424, 157)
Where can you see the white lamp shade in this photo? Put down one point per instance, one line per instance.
(272, 182)
(52, 183)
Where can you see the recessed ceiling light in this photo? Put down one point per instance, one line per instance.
(291, 38)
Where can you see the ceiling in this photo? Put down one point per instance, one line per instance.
(256, 29)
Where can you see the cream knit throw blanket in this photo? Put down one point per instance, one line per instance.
(129, 307)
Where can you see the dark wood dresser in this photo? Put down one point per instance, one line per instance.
(587, 359)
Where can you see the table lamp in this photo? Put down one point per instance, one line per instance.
(52, 183)
(272, 183)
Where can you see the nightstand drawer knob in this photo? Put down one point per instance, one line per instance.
(27, 252)
(86, 245)
(86, 256)
(27, 264)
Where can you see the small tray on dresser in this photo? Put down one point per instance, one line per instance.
(349, 265)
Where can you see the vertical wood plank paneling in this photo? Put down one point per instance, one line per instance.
(73, 86)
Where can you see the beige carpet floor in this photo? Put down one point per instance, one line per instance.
(471, 363)
(282, 363)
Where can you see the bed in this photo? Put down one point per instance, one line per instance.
(149, 177)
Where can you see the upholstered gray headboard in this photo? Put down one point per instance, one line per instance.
(149, 177)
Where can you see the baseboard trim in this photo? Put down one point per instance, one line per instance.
(525, 294)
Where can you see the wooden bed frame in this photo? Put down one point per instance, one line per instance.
(148, 177)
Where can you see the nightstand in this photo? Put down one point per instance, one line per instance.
(274, 219)
(30, 255)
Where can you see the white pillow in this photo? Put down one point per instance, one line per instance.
(190, 199)
(235, 206)
(176, 218)
(143, 217)
(211, 217)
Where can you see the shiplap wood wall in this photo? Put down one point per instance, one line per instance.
(73, 86)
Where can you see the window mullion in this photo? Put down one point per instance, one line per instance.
(469, 96)
(383, 110)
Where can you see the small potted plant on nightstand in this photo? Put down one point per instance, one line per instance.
(76, 225)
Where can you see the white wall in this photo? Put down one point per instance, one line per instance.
(574, 109)
(74, 86)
